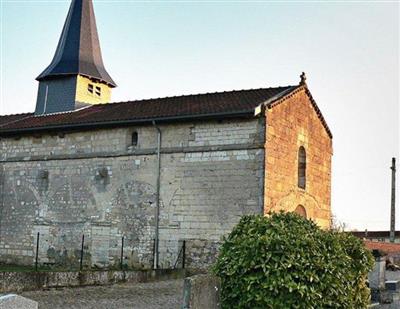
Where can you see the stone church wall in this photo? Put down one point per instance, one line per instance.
(291, 124)
(95, 183)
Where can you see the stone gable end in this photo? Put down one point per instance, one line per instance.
(293, 123)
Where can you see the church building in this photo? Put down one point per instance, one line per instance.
(156, 173)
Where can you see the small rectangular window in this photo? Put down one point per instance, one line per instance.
(90, 88)
(98, 91)
(134, 140)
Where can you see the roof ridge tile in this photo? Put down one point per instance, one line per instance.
(201, 94)
(17, 114)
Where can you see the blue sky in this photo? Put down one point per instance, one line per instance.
(349, 50)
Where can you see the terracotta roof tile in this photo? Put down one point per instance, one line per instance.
(13, 118)
(383, 246)
(187, 106)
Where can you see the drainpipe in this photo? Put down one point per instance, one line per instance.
(393, 203)
(156, 240)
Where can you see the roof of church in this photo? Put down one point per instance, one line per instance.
(237, 103)
(185, 106)
(8, 119)
(78, 51)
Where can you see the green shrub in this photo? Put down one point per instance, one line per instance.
(286, 261)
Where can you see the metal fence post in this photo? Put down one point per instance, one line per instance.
(122, 253)
(81, 261)
(37, 251)
(154, 253)
(183, 253)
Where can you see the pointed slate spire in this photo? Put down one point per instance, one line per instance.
(78, 51)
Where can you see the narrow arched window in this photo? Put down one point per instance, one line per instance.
(134, 140)
(301, 183)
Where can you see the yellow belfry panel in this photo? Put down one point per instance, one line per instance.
(92, 92)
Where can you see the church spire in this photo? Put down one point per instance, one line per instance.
(78, 51)
(76, 76)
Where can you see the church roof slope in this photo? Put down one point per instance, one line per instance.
(78, 51)
(8, 119)
(208, 105)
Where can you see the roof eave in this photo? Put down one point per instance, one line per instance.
(43, 77)
(106, 124)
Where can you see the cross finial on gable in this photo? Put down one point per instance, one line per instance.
(303, 78)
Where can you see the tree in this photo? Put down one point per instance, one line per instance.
(286, 261)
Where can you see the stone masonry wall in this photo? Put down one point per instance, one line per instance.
(95, 183)
(291, 124)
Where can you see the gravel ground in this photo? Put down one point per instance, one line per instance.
(152, 295)
(395, 305)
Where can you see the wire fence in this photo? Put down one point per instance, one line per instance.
(101, 249)
(82, 259)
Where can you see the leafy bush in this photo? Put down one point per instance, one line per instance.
(286, 261)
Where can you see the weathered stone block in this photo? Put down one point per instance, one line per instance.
(201, 291)
(376, 277)
(12, 301)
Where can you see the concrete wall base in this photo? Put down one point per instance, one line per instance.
(30, 281)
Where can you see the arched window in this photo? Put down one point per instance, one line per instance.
(301, 183)
(134, 140)
(300, 210)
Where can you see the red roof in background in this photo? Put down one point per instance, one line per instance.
(373, 234)
(386, 247)
(187, 106)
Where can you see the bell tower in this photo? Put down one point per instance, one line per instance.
(76, 76)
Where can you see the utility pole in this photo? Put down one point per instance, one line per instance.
(393, 201)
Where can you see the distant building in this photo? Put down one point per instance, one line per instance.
(81, 165)
(383, 236)
(391, 250)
